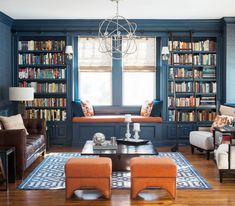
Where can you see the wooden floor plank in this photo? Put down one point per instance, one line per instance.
(222, 194)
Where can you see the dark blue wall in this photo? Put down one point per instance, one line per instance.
(5, 59)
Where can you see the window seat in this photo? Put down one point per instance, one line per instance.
(84, 128)
(115, 118)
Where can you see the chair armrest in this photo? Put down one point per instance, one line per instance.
(15, 138)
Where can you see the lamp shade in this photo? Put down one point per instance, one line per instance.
(21, 93)
(69, 49)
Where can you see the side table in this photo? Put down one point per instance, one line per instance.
(7, 156)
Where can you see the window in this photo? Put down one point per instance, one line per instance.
(95, 72)
(104, 84)
(139, 73)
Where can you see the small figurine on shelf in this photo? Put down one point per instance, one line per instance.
(136, 129)
(128, 121)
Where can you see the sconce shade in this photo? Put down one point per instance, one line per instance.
(21, 93)
(165, 50)
(69, 50)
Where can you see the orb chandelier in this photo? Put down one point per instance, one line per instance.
(117, 36)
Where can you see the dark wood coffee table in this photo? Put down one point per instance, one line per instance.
(121, 156)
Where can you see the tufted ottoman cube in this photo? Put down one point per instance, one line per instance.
(88, 173)
(153, 172)
(202, 140)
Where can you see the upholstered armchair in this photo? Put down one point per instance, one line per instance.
(28, 147)
(225, 158)
(203, 139)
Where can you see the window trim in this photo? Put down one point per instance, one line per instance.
(116, 107)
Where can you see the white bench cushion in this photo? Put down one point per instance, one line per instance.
(201, 139)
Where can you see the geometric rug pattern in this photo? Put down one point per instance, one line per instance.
(49, 174)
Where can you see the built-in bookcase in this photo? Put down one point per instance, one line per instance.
(42, 65)
(192, 79)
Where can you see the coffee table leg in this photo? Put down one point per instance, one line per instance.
(120, 162)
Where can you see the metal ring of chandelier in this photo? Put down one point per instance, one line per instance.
(117, 36)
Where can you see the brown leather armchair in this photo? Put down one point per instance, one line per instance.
(28, 147)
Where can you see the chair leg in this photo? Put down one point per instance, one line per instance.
(192, 149)
(208, 155)
(220, 176)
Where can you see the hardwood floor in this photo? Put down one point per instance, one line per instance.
(221, 194)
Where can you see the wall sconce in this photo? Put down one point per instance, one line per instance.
(69, 52)
(165, 53)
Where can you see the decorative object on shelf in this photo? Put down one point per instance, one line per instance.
(165, 53)
(113, 32)
(98, 138)
(69, 52)
(136, 129)
(128, 121)
(21, 94)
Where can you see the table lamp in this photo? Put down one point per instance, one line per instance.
(21, 94)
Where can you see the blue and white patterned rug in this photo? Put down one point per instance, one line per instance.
(49, 174)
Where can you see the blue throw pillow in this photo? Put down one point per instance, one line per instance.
(157, 108)
(77, 109)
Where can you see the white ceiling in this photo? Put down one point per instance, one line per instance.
(133, 9)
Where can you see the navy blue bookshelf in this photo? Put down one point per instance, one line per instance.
(199, 107)
(57, 127)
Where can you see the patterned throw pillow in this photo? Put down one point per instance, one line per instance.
(87, 108)
(146, 108)
(220, 121)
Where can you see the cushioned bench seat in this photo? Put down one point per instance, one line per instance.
(116, 118)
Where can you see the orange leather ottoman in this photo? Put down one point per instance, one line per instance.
(153, 172)
(88, 173)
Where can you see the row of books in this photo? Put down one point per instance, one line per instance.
(208, 73)
(205, 87)
(37, 73)
(45, 45)
(207, 101)
(48, 58)
(45, 87)
(204, 115)
(47, 114)
(206, 45)
(181, 87)
(205, 73)
(49, 102)
(189, 73)
(205, 59)
(180, 73)
(191, 101)
(181, 59)
(182, 116)
(202, 59)
(183, 101)
(179, 45)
